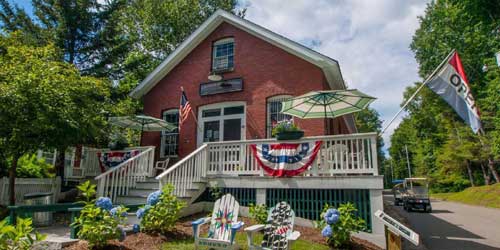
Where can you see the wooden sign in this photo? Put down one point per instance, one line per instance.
(396, 227)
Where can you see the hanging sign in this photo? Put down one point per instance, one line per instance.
(285, 159)
(111, 159)
(396, 227)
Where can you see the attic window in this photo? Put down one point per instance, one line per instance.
(223, 55)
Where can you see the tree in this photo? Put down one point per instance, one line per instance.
(368, 120)
(432, 129)
(44, 102)
(84, 30)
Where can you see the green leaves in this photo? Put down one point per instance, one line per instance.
(161, 217)
(258, 213)
(347, 224)
(98, 225)
(18, 237)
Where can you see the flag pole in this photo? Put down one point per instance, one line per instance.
(194, 116)
(418, 90)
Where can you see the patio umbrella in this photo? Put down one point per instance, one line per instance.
(142, 123)
(326, 104)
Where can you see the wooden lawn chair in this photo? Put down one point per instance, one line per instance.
(223, 225)
(278, 232)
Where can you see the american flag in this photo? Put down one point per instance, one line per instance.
(184, 109)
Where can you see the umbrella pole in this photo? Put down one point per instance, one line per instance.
(325, 122)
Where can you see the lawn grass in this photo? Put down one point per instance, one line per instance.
(487, 196)
(241, 239)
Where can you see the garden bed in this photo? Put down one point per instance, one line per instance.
(182, 238)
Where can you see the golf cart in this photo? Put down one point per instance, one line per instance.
(398, 192)
(416, 194)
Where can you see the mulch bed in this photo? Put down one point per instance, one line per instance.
(183, 230)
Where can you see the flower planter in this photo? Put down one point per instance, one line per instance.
(289, 135)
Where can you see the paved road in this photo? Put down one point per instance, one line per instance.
(455, 226)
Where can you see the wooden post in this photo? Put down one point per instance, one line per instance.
(393, 241)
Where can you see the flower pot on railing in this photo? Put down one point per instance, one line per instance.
(289, 135)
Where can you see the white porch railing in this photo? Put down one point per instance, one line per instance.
(118, 180)
(185, 172)
(339, 154)
(352, 154)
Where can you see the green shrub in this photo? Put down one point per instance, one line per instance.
(99, 221)
(18, 237)
(29, 166)
(215, 192)
(258, 213)
(160, 216)
(339, 224)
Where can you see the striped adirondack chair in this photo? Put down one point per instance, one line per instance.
(278, 232)
(223, 225)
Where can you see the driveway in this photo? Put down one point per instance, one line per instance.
(455, 226)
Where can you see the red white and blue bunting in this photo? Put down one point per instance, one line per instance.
(285, 159)
(111, 159)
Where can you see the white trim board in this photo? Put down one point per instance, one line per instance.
(330, 67)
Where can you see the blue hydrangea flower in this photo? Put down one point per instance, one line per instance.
(153, 198)
(140, 213)
(123, 234)
(136, 228)
(104, 203)
(332, 216)
(327, 231)
(113, 211)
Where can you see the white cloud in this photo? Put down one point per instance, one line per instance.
(369, 38)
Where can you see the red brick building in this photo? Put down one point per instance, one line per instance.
(258, 68)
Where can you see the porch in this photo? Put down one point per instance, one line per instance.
(345, 170)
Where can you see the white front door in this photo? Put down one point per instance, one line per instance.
(221, 122)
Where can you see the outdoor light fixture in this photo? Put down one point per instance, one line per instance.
(214, 77)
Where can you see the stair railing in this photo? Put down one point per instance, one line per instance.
(183, 174)
(118, 180)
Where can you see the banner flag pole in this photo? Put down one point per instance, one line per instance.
(417, 91)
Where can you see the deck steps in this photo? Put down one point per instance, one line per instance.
(139, 194)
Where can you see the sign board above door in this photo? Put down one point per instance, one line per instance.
(398, 228)
(223, 86)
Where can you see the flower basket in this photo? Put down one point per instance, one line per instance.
(289, 135)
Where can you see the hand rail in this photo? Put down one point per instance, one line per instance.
(183, 174)
(118, 180)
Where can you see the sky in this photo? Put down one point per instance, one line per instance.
(369, 38)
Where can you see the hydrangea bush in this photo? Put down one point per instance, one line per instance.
(160, 212)
(20, 236)
(338, 224)
(99, 221)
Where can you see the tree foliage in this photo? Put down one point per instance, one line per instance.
(45, 102)
(441, 146)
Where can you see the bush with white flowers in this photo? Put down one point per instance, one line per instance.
(338, 224)
(160, 212)
(99, 221)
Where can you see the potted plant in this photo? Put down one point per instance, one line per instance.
(287, 130)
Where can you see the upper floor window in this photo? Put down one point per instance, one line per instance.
(223, 55)
(170, 139)
(274, 114)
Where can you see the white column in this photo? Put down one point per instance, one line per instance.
(376, 203)
(260, 196)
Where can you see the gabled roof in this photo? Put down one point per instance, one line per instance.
(329, 66)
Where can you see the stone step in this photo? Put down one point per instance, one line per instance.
(140, 192)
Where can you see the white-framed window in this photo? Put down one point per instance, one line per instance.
(223, 55)
(274, 115)
(170, 139)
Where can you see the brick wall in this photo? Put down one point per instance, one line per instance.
(266, 71)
